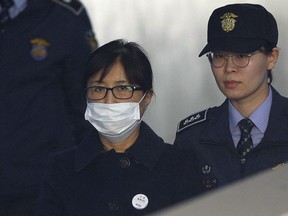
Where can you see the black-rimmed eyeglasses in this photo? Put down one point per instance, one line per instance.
(119, 92)
(218, 59)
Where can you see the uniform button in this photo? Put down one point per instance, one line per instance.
(124, 162)
(113, 206)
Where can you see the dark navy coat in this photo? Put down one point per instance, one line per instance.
(207, 134)
(88, 181)
(42, 56)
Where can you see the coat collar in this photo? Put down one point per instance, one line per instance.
(277, 125)
(33, 14)
(88, 149)
(217, 131)
(147, 149)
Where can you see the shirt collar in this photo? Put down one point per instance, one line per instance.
(146, 150)
(17, 8)
(259, 117)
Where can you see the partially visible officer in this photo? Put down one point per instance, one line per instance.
(122, 167)
(242, 40)
(44, 45)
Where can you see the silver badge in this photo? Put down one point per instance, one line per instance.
(206, 169)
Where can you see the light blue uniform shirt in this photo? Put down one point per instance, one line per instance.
(259, 117)
(18, 7)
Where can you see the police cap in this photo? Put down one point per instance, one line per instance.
(241, 28)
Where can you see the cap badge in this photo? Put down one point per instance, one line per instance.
(39, 48)
(228, 21)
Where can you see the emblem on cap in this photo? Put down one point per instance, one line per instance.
(39, 48)
(228, 21)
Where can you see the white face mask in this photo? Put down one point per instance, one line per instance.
(117, 121)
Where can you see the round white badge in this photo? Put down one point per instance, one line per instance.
(140, 201)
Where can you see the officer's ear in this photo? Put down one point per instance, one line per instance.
(272, 58)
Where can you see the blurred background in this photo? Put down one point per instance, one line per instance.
(173, 32)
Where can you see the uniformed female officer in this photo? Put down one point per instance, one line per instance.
(122, 167)
(248, 133)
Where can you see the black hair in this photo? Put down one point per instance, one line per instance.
(132, 57)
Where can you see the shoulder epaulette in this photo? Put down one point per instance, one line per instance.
(192, 120)
(73, 5)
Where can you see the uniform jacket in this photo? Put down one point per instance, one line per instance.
(88, 181)
(42, 56)
(207, 134)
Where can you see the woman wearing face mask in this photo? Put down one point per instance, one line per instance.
(122, 167)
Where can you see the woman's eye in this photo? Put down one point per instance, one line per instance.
(99, 89)
(218, 55)
(124, 88)
(241, 55)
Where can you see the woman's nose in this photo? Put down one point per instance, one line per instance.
(229, 64)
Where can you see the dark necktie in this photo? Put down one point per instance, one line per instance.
(245, 143)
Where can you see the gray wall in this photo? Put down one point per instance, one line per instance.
(173, 32)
